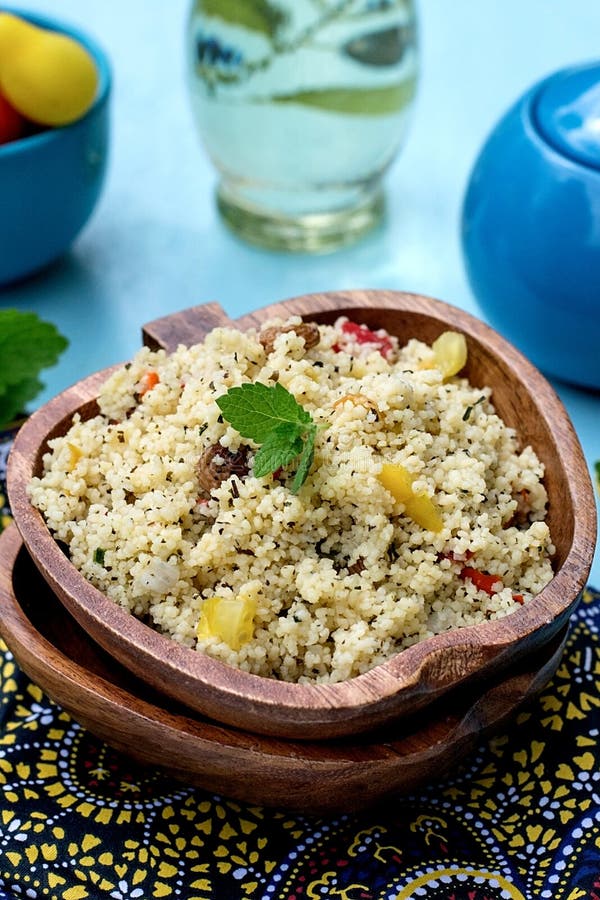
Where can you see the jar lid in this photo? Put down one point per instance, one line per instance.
(567, 113)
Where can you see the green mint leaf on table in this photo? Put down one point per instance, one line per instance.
(27, 345)
(14, 398)
(272, 417)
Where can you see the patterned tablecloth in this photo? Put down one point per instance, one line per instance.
(520, 819)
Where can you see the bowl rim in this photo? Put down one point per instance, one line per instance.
(338, 705)
(103, 65)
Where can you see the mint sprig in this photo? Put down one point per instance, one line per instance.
(272, 417)
(281, 447)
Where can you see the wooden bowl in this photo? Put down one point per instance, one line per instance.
(414, 677)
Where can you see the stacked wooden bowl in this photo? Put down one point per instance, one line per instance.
(309, 747)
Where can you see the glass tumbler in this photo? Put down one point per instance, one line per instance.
(302, 105)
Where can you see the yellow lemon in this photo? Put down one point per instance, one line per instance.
(48, 77)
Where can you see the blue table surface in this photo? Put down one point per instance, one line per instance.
(155, 244)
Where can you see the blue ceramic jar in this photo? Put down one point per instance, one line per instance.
(531, 225)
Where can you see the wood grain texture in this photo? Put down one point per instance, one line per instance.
(415, 677)
(301, 776)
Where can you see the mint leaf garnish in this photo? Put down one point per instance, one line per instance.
(27, 345)
(306, 461)
(280, 448)
(256, 409)
(272, 417)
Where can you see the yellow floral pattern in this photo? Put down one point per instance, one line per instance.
(519, 821)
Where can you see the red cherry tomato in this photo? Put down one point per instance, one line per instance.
(12, 123)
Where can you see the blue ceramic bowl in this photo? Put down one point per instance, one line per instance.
(50, 182)
(531, 225)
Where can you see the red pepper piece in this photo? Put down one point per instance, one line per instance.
(482, 580)
(363, 335)
(148, 381)
(485, 582)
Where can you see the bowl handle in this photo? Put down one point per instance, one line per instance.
(187, 327)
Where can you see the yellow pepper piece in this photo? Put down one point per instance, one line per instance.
(75, 454)
(48, 77)
(450, 350)
(229, 619)
(417, 506)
